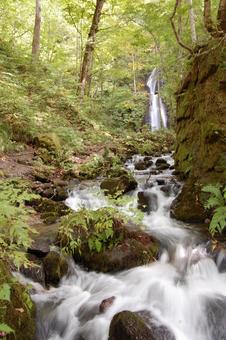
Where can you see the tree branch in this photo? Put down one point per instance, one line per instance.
(175, 30)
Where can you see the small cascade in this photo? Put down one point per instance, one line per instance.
(183, 289)
(157, 109)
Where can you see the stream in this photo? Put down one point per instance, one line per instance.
(183, 289)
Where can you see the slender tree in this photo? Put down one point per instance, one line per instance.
(192, 21)
(85, 73)
(37, 31)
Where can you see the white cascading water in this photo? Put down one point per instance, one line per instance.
(184, 289)
(157, 109)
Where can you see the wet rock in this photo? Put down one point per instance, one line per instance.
(127, 247)
(144, 164)
(158, 330)
(142, 325)
(106, 304)
(154, 172)
(160, 161)
(129, 326)
(147, 201)
(187, 206)
(40, 247)
(167, 189)
(35, 271)
(160, 181)
(50, 210)
(118, 185)
(172, 167)
(49, 190)
(162, 166)
(55, 267)
(216, 317)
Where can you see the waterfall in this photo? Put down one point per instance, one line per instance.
(157, 109)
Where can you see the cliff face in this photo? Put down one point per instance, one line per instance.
(200, 154)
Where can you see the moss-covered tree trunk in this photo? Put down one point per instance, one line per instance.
(201, 122)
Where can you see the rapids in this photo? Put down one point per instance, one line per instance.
(183, 289)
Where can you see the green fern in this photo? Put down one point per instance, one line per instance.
(216, 201)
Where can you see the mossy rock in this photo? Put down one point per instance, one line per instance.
(50, 210)
(55, 267)
(19, 312)
(188, 206)
(49, 141)
(127, 325)
(141, 325)
(124, 249)
(119, 185)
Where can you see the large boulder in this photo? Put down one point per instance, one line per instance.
(49, 141)
(118, 185)
(19, 312)
(127, 325)
(187, 206)
(105, 243)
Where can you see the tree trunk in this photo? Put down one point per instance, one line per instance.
(37, 30)
(222, 16)
(192, 21)
(85, 74)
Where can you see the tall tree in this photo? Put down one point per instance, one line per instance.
(86, 69)
(37, 31)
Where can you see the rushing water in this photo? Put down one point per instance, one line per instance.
(183, 289)
(157, 109)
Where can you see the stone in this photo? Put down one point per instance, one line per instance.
(55, 267)
(187, 206)
(147, 201)
(127, 325)
(167, 189)
(35, 271)
(50, 210)
(144, 164)
(159, 331)
(118, 185)
(163, 166)
(160, 161)
(106, 304)
(160, 181)
(49, 141)
(127, 248)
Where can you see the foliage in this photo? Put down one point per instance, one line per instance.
(217, 202)
(94, 228)
(14, 229)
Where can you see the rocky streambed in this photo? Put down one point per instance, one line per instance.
(146, 283)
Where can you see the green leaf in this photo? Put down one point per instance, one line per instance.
(5, 292)
(5, 328)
